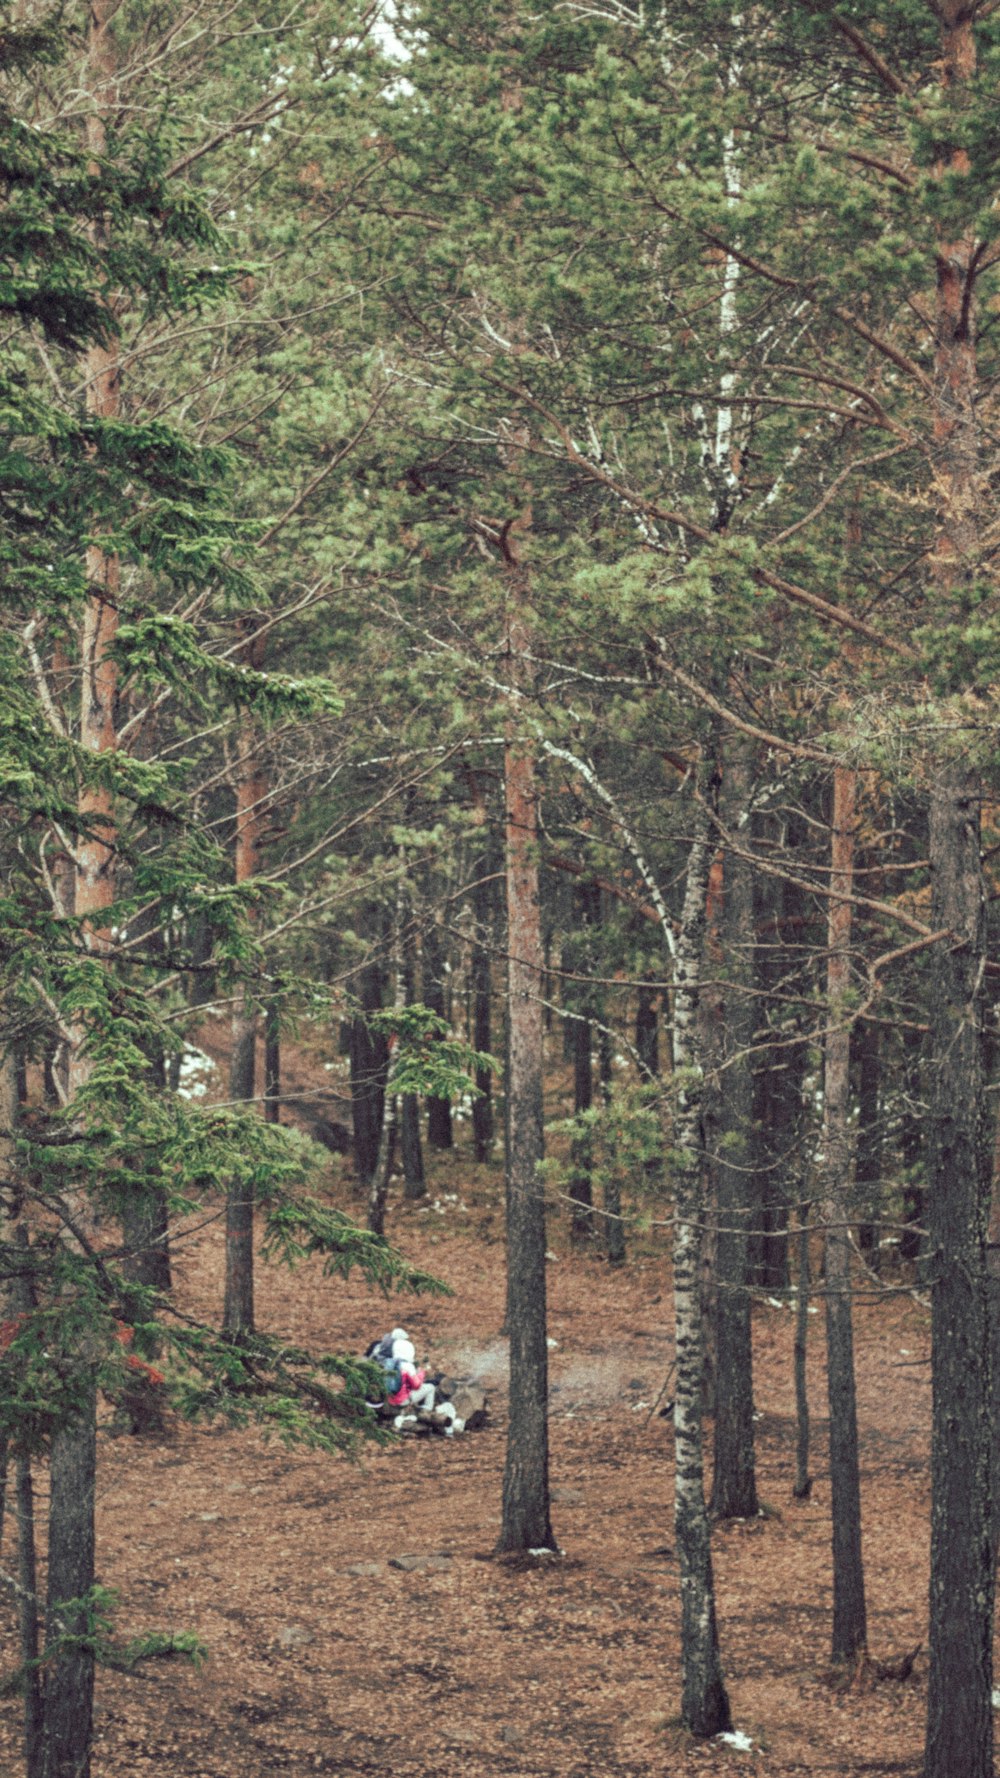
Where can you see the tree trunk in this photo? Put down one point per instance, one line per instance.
(582, 1145)
(959, 1712)
(647, 1031)
(369, 1060)
(482, 910)
(69, 1679)
(960, 1679)
(27, 1617)
(439, 1130)
(19, 1299)
(868, 1150)
(526, 1524)
(849, 1617)
(802, 1486)
(410, 1146)
(250, 785)
(734, 1486)
(704, 1703)
(69, 1673)
(614, 1220)
(272, 1063)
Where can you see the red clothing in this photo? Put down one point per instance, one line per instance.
(411, 1381)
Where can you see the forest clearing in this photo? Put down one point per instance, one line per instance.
(499, 871)
(323, 1657)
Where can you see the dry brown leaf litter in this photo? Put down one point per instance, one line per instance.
(327, 1657)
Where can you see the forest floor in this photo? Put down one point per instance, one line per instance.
(326, 1657)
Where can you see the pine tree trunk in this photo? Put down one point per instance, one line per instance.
(868, 1151)
(19, 1299)
(439, 1130)
(482, 1105)
(69, 1679)
(802, 1486)
(272, 1064)
(526, 1523)
(250, 785)
(647, 1031)
(960, 1678)
(369, 1060)
(959, 1712)
(704, 1703)
(582, 1144)
(734, 1486)
(849, 1616)
(614, 1220)
(238, 1305)
(27, 1616)
(69, 1673)
(410, 1146)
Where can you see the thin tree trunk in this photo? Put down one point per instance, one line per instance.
(272, 1063)
(378, 1195)
(734, 1485)
(439, 1130)
(411, 1148)
(647, 1031)
(27, 1617)
(581, 1155)
(802, 1486)
(482, 911)
(614, 1220)
(20, 1300)
(369, 1060)
(704, 1703)
(526, 1522)
(868, 1150)
(849, 1616)
(250, 784)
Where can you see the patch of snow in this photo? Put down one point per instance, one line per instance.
(551, 1343)
(775, 1303)
(195, 1074)
(995, 1699)
(736, 1738)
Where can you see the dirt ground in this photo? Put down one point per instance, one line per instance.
(327, 1657)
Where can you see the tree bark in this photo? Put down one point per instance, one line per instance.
(960, 1678)
(704, 1703)
(849, 1616)
(69, 1681)
(251, 786)
(482, 912)
(69, 1673)
(439, 1129)
(802, 1485)
(734, 1485)
(410, 1146)
(868, 1150)
(369, 1061)
(526, 1522)
(960, 1681)
(272, 1064)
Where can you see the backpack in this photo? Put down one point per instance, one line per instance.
(380, 1353)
